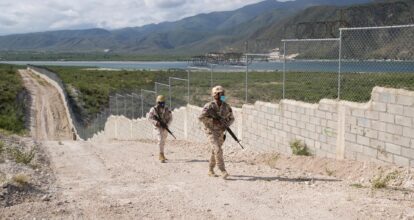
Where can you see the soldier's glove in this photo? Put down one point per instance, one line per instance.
(225, 123)
(217, 122)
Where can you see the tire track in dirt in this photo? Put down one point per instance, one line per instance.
(50, 121)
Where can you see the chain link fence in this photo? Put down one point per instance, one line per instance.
(376, 56)
(345, 68)
(264, 78)
(310, 70)
(179, 92)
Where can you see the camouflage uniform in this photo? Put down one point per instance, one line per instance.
(166, 116)
(215, 131)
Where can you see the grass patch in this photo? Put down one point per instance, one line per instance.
(329, 172)
(357, 185)
(21, 180)
(22, 157)
(272, 160)
(11, 107)
(93, 87)
(381, 181)
(299, 148)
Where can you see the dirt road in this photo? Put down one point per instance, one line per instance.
(49, 119)
(124, 180)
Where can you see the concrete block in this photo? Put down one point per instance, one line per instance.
(371, 152)
(362, 140)
(394, 129)
(301, 124)
(304, 118)
(392, 148)
(379, 107)
(295, 130)
(320, 114)
(300, 110)
(409, 111)
(358, 113)
(354, 148)
(363, 122)
(350, 137)
(315, 121)
(408, 132)
(401, 161)
(405, 100)
(387, 97)
(395, 109)
(407, 152)
(379, 126)
(386, 117)
(372, 115)
(386, 137)
(386, 157)
(292, 122)
(287, 114)
(377, 144)
(310, 127)
(373, 134)
(404, 121)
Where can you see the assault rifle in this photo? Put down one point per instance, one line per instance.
(162, 123)
(213, 114)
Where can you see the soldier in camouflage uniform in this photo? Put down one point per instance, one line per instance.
(162, 112)
(215, 128)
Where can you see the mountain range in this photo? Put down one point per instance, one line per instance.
(261, 25)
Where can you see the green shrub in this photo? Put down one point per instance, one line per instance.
(11, 109)
(381, 181)
(299, 148)
(22, 157)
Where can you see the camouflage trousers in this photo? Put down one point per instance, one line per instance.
(216, 141)
(162, 135)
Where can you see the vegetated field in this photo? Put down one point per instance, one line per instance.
(95, 86)
(11, 100)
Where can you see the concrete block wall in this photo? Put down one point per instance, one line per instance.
(380, 130)
(273, 126)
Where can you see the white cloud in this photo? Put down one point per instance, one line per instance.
(24, 16)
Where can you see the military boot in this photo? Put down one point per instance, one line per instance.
(162, 158)
(211, 173)
(224, 174)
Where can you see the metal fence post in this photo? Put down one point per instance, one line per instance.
(211, 75)
(247, 71)
(116, 104)
(339, 64)
(284, 70)
(169, 82)
(142, 105)
(188, 87)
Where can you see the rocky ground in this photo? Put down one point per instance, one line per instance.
(25, 173)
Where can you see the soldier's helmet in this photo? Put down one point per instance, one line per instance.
(160, 98)
(216, 90)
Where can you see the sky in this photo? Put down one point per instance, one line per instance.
(23, 16)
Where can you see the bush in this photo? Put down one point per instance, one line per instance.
(11, 108)
(21, 156)
(21, 180)
(380, 181)
(299, 148)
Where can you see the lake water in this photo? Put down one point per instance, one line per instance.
(298, 65)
